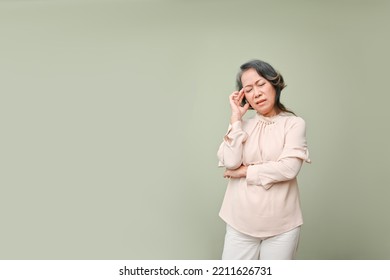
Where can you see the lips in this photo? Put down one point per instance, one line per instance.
(260, 102)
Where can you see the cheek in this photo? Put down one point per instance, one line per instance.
(271, 95)
(248, 98)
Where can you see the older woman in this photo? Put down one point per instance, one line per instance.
(262, 157)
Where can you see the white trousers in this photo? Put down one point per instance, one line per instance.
(239, 246)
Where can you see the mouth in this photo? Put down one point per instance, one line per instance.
(260, 102)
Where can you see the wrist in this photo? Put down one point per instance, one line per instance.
(244, 171)
(234, 118)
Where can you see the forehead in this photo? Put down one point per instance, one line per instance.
(250, 77)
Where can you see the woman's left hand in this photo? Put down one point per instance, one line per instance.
(236, 173)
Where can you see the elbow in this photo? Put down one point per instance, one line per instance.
(229, 164)
(228, 160)
(232, 164)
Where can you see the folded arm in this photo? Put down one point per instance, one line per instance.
(288, 164)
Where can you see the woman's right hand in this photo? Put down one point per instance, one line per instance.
(238, 111)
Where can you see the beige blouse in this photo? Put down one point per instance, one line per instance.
(266, 202)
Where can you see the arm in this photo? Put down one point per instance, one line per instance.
(230, 150)
(289, 162)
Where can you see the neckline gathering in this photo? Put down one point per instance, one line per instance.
(269, 120)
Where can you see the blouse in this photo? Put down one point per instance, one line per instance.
(266, 202)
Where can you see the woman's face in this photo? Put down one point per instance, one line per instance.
(259, 92)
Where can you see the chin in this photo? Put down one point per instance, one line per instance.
(263, 112)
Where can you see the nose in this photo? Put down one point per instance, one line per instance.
(258, 92)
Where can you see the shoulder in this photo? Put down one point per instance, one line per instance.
(291, 121)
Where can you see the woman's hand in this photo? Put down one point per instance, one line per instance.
(236, 173)
(238, 111)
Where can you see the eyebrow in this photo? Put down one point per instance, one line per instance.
(259, 80)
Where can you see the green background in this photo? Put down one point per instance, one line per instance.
(112, 113)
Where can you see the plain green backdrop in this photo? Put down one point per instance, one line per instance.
(112, 113)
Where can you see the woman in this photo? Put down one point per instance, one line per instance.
(262, 157)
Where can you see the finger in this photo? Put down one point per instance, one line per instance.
(235, 96)
(234, 101)
(241, 95)
(234, 93)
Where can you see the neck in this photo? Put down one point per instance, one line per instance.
(273, 113)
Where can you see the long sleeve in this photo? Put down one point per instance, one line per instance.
(289, 162)
(266, 202)
(230, 150)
